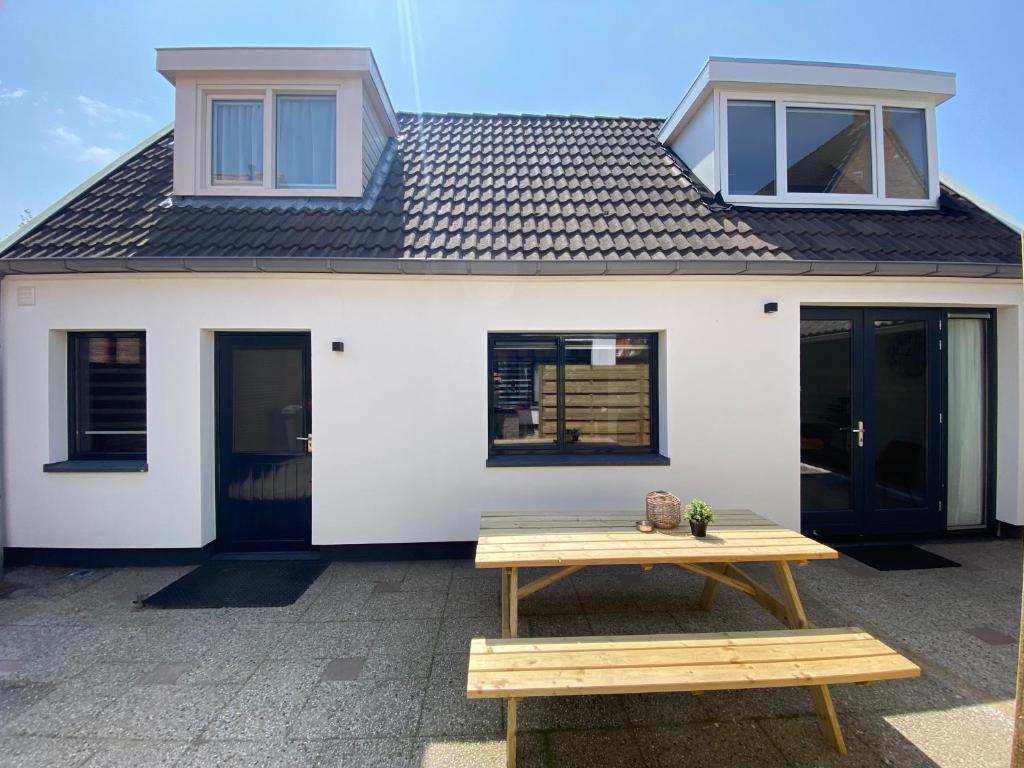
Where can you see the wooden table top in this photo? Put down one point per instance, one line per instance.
(527, 539)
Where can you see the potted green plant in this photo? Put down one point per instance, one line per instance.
(698, 513)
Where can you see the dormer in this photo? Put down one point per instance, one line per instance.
(276, 122)
(796, 134)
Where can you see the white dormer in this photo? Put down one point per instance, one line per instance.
(276, 122)
(799, 134)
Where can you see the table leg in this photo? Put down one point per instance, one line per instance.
(513, 602)
(707, 597)
(797, 619)
(504, 602)
(510, 733)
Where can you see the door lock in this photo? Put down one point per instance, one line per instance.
(859, 432)
(308, 440)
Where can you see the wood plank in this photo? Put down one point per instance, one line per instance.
(545, 581)
(781, 650)
(665, 679)
(709, 554)
(598, 536)
(482, 646)
(717, 576)
(637, 543)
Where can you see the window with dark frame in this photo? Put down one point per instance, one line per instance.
(107, 387)
(569, 394)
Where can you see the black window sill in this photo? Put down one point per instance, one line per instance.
(580, 460)
(98, 465)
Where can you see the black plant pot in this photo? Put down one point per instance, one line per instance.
(700, 530)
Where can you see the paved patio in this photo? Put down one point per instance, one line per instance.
(368, 669)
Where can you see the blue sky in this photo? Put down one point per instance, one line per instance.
(78, 85)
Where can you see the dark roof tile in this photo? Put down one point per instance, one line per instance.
(508, 187)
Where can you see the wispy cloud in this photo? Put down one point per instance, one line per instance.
(101, 112)
(10, 95)
(80, 150)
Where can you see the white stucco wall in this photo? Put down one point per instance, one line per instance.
(400, 417)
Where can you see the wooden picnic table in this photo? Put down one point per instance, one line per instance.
(570, 541)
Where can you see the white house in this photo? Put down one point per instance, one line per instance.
(300, 319)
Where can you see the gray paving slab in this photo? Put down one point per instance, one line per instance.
(88, 678)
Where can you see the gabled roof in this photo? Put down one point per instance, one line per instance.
(504, 193)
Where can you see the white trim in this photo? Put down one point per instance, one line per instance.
(810, 76)
(989, 208)
(39, 218)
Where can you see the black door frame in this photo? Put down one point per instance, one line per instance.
(863, 519)
(224, 341)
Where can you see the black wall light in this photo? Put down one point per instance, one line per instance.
(771, 307)
(337, 346)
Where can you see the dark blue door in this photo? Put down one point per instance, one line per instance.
(264, 485)
(870, 421)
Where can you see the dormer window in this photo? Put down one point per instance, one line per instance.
(277, 122)
(793, 134)
(821, 153)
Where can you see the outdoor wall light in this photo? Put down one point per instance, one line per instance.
(338, 346)
(770, 307)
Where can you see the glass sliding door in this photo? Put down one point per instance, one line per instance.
(967, 386)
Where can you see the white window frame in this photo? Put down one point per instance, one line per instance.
(268, 95)
(785, 198)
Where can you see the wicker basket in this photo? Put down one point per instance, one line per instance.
(663, 509)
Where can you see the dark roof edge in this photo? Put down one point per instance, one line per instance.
(664, 267)
(65, 200)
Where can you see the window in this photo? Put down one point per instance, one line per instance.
(828, 151)
(306, 142)
(573, 393)
(802, 152)
(752, 147)
(237, 154)
(906, 153)
(262, 141)
(107, 379)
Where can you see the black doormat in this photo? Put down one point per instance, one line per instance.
(896, 557)
(239, 584)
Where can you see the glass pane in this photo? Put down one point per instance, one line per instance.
(238, 142)
(906, 153)
(751, 147)
(901, 414)
(967, 387)
(110, 383)
(524, 391)
(268, 414)
(607, 390)
(828, 150)
(305, 141)
(826, 393)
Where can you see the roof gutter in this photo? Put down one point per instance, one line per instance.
(663, 267)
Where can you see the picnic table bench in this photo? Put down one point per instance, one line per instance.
(800, 655)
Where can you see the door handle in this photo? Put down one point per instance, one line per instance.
(308, 440)
(859, 432)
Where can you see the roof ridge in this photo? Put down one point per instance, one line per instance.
(522, 116)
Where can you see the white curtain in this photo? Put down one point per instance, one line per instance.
(306, 141)
(967, 409)
(238, 142)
